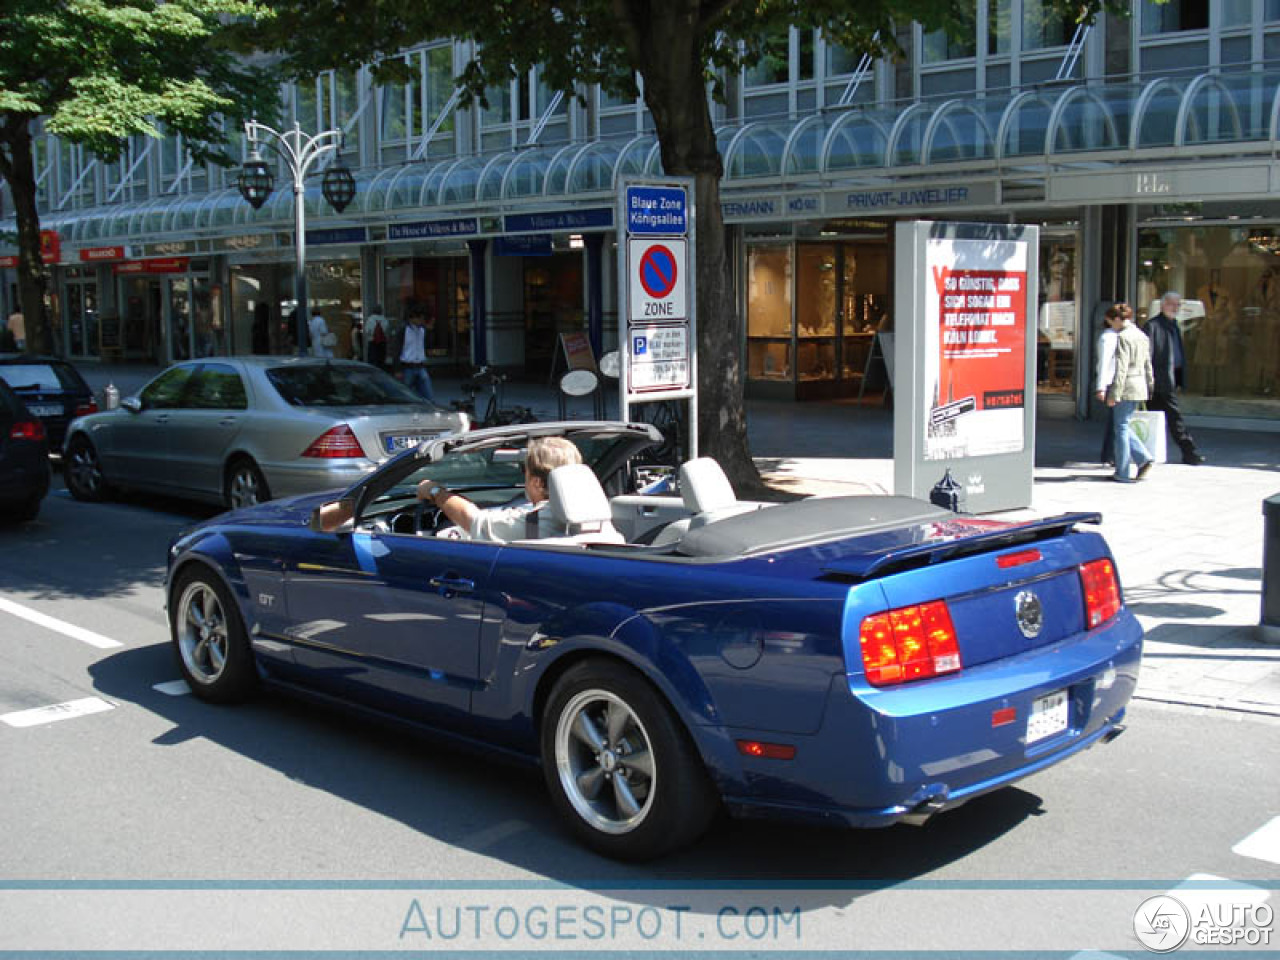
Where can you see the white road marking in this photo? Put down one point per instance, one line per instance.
(1205, 890)
(1262, 844)
(61, 626)
(56, 711)
(172, 688)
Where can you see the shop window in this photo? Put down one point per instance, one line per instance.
(1174, 16)
(553, 304)
(1057, 318)
(1229, 278)
(440, 288)
(769, 313)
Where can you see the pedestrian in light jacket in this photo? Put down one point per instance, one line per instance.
(1130, 386)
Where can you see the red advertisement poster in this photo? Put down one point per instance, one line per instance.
(975, 349)
(982, 336)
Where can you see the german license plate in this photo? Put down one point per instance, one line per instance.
(1048, 716)
(44, 409)
(404, 441)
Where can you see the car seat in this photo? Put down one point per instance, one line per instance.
(579, 505)
(708, 496)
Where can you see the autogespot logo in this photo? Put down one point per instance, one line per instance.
(1162, 924)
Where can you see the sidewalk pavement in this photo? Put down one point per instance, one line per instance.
(1187, 540)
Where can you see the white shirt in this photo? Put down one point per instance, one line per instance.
(321, 339)
(1106, 359)
(504, 524)
(414, 350)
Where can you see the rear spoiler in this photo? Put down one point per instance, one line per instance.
(872, 565)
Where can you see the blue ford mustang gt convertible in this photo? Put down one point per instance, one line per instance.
(856, 661)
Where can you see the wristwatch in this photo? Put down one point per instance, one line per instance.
(434, 491)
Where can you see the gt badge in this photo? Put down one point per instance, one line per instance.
(1030, 614)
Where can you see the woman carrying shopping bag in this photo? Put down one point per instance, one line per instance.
(1130, 386)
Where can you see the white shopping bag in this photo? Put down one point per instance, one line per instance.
(1148, 426)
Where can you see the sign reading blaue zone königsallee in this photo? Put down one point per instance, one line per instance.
(657, 211)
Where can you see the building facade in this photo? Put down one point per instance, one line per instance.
(1144, 147)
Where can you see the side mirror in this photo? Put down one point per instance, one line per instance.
(331, 517)
(132, 404)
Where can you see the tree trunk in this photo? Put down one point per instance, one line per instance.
(17, 168)
(666, 44)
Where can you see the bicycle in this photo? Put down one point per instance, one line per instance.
(668, 417)
(495, 414)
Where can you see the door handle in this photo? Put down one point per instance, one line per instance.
(227, 422)
(451, 586)
(162, 418)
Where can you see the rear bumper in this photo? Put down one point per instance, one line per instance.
(22, 480)
(293, 479)
(885, 756)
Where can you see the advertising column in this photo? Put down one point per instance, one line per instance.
(967, 343)
(656, 286)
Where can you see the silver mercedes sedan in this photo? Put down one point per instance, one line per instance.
(241, 430)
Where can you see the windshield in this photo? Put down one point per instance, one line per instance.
(494, 475)
(339, 385)
(44, 377)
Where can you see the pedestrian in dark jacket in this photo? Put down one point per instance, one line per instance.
(1167, 360)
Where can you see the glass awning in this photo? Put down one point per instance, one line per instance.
(1045, 128)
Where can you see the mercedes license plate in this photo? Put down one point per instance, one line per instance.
(44, 409)
(403, 441)
(1048, 716)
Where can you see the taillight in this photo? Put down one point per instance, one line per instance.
(909, 643)
(1101, 591)
(27, 430)
(335, 442)
(84, 409)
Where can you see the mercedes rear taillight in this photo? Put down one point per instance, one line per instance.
(909, 643)
(335, 443)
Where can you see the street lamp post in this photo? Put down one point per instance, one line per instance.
(300, 152)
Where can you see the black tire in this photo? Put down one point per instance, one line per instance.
(209, 639)
(82, 472)
(600, 719)
(245, 485)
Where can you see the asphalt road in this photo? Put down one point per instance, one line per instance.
(160, 790)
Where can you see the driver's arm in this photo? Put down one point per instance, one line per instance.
(456, 507)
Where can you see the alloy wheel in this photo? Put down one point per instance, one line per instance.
(245, 488)
(202, 632)
(604, 758)
(83, 470)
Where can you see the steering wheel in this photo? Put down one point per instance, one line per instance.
(421, 522)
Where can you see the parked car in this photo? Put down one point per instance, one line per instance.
(52, 389)
(852, 661)
(24, 459)
(241, 430)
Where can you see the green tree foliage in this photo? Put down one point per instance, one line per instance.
(95, 72)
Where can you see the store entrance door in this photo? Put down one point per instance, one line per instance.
(143, 319)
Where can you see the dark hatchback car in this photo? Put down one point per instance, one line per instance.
(51, 388)
(24, 459)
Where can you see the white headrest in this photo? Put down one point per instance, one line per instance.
(704, 486)
(576, 496)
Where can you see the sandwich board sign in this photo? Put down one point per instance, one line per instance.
(656, 285)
